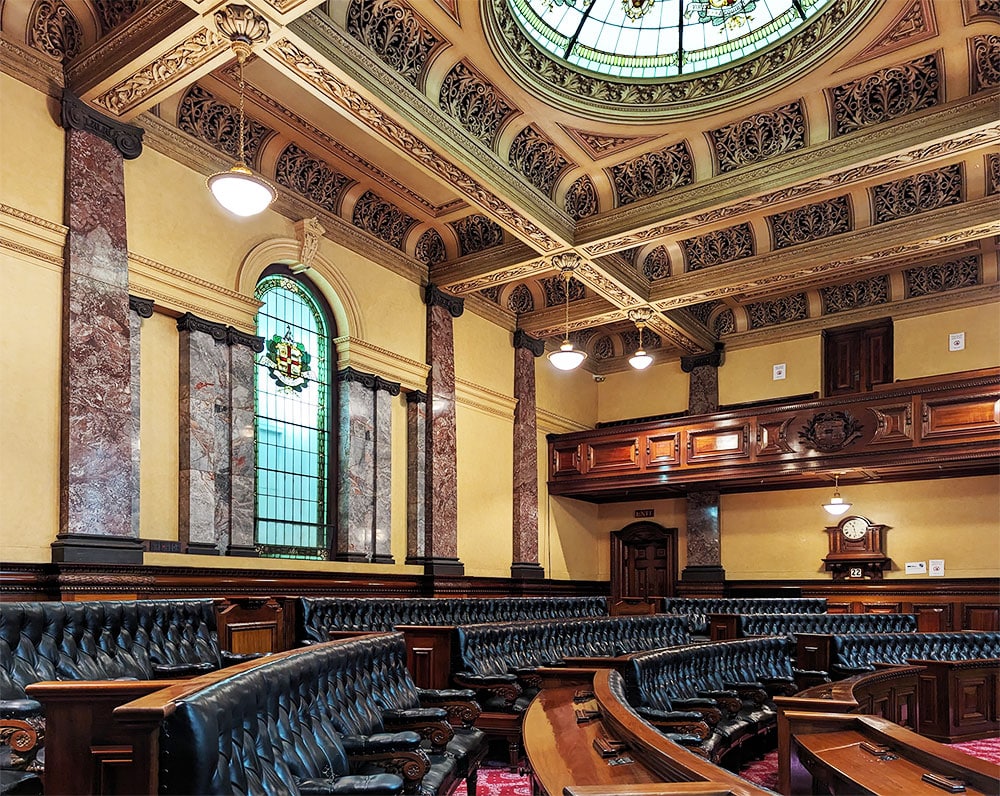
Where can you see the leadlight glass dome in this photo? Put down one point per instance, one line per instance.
(651, 39)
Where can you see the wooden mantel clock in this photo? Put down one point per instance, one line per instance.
(857, 550)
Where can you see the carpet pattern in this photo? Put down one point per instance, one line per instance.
(497, 780)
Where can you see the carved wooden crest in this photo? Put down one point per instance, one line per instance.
(831, 431)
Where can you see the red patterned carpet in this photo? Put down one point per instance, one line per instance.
(501, 781)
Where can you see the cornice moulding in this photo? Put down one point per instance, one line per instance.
(551, 423)
(29, 67)
(484, 399)
(364, 356)
(181, 292)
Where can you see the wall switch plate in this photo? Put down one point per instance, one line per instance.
(778, 372)
(956, 341)
(916, 567)
(936, 569)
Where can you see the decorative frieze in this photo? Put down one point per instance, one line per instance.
(656, 264)
(812, 222)
(985, 62)
(855, 295)
(887, 94)
(939, 278)
(474, 103)
(555, 290)
(581, 198)
(476, 233)
(759, 137)
(537, 158)
(311, 177)
(492, 293)
(992, 174)
(652, 173)
(918, 193)
(520, 300)
(724, 323)
(603, 348)
(203, 116)
(720, 246)
(113, 12)
(382, 219)
(399, 37)
(53, 30)
(703, 311)
(781, 310)
(430, 248)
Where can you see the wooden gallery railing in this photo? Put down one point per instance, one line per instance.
(941, 425)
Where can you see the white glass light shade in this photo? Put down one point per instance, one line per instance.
(640, 360)
(567, 357)
(240, 192)
(836, 506)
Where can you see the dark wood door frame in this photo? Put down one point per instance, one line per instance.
(634, 535)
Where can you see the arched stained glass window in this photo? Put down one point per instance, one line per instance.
(292, 420)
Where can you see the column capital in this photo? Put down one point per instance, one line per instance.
(523, 340)
(435, 297)
(77, 115)
(371, 381)
(143, 307)
(416, 397)
(710, 358)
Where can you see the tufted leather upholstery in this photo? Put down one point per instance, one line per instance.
(697, 609)
(300, 718)
(100, 640)
(495, 660)
(727, 685)
(790, 624)
(319, 615)
(859, 652)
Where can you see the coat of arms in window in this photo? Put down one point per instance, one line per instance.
(287, 362)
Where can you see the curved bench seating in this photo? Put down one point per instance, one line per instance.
(859, 652)
(286, 723)
(698, 609)
(793, 624)
(318, 616)
(132, 640)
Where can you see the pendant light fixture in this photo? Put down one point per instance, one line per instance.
(567, 357)
(239, 190)
(836, 506)
(640, 360)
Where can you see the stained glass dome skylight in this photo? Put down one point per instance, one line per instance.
(638, 39)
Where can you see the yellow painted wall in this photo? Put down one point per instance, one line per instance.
(30, 134)
(29, 406)
(921, 344)
(779, 535)
(746, 373)
(660, 389)
(484, 354)
(568, 394)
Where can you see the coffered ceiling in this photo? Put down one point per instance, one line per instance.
(847, 173)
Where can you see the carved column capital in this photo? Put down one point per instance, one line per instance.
(77, 115)
(710, 358)
(143, 307)
(416, 397)
(435, 297)
(523, 340)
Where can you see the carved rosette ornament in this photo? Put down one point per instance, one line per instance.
(240, 23)
(829, 432)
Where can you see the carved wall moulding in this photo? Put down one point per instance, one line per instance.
(829, 432)
(370, 381)
(400, 38)
(918, 193)
(474, 103)
(887, 94)
(230, 335)
(236, 337)
(76, 115)
(435, 297)
(309, 233)
(759, 137)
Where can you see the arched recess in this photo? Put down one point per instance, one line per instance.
(335, 288)
(643, 561)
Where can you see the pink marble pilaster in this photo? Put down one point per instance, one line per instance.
(242, 465)
(416, 470)
(441, 529)
(525, 547)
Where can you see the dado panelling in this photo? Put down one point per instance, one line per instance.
(952, 425)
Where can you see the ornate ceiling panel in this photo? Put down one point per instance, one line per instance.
(846, 173)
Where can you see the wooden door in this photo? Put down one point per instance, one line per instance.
(855, 358)
(643, 561)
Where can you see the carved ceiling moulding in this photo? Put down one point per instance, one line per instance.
(112, 13)
(581, 199)
(918, 193)
(476, 233)
(430, 248)
(602, 98)
(778, 311)
(812, 222)
(942, 277)
(759, 137)
(319, 77)
(382, 219)
(887, 94)
(985, 62)
(865, 293)
(53, 30)
(216, 123)
(534, 155)
(720, 246)
(475, 103)
(652, 173)
(400, 38)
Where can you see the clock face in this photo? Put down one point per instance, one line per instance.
(854, 528)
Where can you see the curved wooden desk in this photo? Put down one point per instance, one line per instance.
(562, 757)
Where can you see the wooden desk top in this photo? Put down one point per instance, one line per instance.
(561, 751)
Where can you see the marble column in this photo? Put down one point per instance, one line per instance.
(217, 468)
(703, 573)
(364, 496)
(96, 465)
(242, 461)
(140, 308)
(441, 528)
(416, 470)
(525, 550)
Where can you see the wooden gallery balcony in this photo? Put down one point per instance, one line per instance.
(921, 428)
